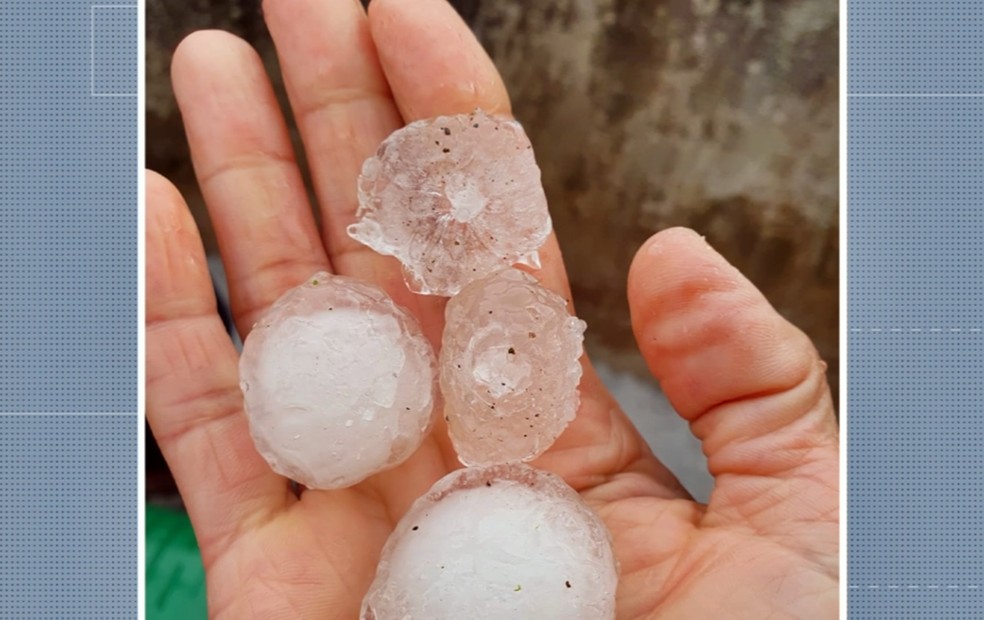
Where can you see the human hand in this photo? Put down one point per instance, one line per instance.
(750, 384)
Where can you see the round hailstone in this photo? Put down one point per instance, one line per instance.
(509, 368)
(338, 383)
(454, 198)
(506, 541)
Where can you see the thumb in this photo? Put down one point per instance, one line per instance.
(748, 381)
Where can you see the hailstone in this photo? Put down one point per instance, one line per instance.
(454, 198)
(506, 541)
(509, 368)
(338, 382)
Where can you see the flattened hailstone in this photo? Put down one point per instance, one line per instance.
(506, 541)
(509, 368)
(338, 383)
(454, 198)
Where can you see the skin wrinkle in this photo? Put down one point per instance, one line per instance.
(683, 532)
(343, 575)
(214, 404)
(708, 339)
(259, 604)
(761, 522)
(229, 526)
(357, 70)
(246, 163)
(807, 399)
(679, 573)
(722, 599)
(742, 433)
(772, 376)
(768, 505)
(331, 102)
(185, 346)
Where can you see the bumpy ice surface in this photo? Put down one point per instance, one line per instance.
(454, 198)
(338, 383)
(509, 368)
(505, 541)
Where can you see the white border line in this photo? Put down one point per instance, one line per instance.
(916, 330)
(92, 49)
(67, 414)
(900, 95)
(842, 303)
(912, 587)
(141, 310)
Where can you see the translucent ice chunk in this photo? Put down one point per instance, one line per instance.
(509, 368)
(454, 198)
(338, 382)
(506, 541)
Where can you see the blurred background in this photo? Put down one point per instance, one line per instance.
(720, 115)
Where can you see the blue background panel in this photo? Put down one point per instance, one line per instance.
(915, 46)
(68, 513)
(68, 211)
(916, 357)
(916, 494)
(114, 49)
(916, 217)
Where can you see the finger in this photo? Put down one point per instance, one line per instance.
(194, 405)
(245, 165)
(433, 62)
(750, 383)
(344, 110)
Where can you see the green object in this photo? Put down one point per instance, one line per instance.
(175, 577)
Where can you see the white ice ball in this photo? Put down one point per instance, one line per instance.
(338, 383)
(500, 542)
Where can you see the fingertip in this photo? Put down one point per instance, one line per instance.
(677, 232)
(678, 259)
(668, 240)
(176, 265)
(432, 60)
(202, 45)
(158, 184)
(211, 61)
(165, 205)
(707, 333)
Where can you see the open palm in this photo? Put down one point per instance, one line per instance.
(750, 383)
